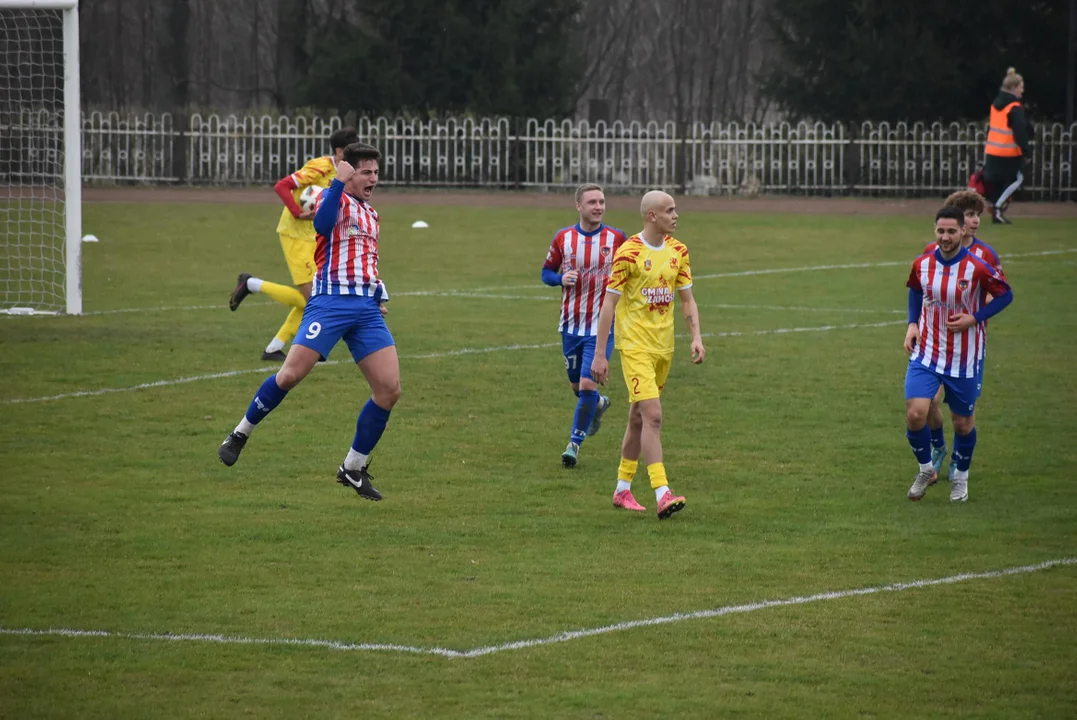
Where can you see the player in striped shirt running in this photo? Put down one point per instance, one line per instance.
(343, 305)
(972, 204)
(579, 263)
(946, 316)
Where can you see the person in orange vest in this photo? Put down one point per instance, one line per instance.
(1007, 145)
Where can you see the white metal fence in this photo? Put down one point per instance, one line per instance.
(721, 158)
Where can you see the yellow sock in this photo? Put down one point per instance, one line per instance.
(285, 296)
(291, 325)
(657, 473)
(627, 470)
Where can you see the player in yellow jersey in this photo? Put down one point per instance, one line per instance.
(297, 239)
(648, 269)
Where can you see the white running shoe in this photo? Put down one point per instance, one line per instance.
(959, 491)
(923, 480)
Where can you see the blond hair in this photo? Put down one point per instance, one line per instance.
(965, 200)
(586, 188)
(1012, 80)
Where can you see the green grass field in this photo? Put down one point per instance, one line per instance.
(789, 446)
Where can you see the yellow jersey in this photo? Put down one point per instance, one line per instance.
(647, 279)
(320, 171)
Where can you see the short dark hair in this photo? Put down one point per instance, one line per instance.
(359, 151)
(343, 138)
(951, 213)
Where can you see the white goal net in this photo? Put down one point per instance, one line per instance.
(40, 195)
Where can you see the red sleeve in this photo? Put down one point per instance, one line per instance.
(992, 282)
(284, 188)
(554, 257)
(996, 264)
(914, 277)
(621, 239)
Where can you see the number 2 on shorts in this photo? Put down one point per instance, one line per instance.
(635, 386)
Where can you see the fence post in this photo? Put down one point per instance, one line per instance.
(179, 146)
(514, 140)
(854, 160)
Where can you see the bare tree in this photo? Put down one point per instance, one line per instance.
(679, 60)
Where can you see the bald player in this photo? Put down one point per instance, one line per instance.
(647, 269)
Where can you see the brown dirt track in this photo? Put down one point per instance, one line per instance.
(389, 196)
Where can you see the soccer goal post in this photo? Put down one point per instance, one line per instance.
(40, 156)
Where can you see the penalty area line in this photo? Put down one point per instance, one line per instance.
(539, 642)
(486, 292)
(417, 356)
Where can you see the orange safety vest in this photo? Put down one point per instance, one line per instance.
(999, 135)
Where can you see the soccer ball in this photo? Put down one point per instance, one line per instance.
(308, 197)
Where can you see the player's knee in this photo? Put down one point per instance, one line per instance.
(916, 416)
(289, 377)
(388, 395)
(963, 425)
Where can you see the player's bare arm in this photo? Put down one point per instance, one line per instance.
(911, 334)
(691, 318)
(600, 367)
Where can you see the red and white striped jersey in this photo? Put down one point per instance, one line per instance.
(951, 287)
(986, 253)
(347, 261)
(591, 254)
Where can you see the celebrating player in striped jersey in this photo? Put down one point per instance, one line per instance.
(972, 204)
(296, 231)
(946, 315)
(579, 262)
(344, 304)
(648, 269)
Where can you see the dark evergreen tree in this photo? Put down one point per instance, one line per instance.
(448, 56)
(854, 60)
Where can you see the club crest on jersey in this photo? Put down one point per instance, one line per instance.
(605, 251)
(963, 284)
(673, 263)
(647, 265)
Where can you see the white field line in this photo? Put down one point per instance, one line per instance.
(485, 292)
(784, 331)
(799, 308)
(549, 640)
(260, 370)
(419, 356)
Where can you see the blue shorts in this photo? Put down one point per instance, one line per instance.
(979, 377)
(354, 318)
(579, 351)
(961, 393)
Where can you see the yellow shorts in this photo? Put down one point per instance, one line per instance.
(645, 373)
(300, 256)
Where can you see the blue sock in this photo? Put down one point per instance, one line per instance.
(369, 427)
(268, 397)
(938, 438)
(585, 411)
(963, 447)
(920, 440)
